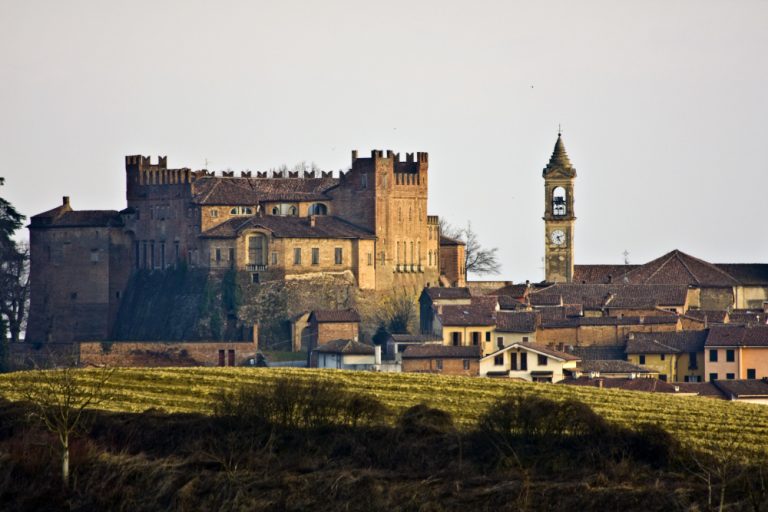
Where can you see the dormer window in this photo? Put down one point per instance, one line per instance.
(318, 209)
(285, 209)
(241, 210)
(559, 205)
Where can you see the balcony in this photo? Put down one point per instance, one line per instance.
(252, 267)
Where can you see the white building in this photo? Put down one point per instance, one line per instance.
(528, 361)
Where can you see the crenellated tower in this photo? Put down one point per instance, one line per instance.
(559, 216)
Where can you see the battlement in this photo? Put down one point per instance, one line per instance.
(433, 220)
(378, 154)
(145, 162)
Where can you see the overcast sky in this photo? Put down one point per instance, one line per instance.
(662, 103)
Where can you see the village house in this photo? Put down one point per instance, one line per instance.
(527, 361)
(345, 355)
(735, 352)
(676, 356)
(441, 359)
(325, 325)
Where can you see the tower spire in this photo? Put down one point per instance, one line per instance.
(559, 159)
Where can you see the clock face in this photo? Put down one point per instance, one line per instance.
(557, 236)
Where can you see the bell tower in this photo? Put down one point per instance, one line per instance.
(559, 217)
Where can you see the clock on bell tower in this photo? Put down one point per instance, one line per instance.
(559, 218)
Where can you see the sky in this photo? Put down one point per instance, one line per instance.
(662, 105)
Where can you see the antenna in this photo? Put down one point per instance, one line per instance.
(207, 163)
(559, 130)
(626, 257)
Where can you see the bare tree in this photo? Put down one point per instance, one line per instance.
(60, 399)
(397, 312)
(478, 259)
(14, 281)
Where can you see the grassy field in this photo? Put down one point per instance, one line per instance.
(698, 422)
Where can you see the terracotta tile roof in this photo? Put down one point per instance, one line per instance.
(608, 366)
(444, 240)
(65, 217)
(600, 274)
(433, 351)
(334, 315)
(346, 347)
(747, 317)
(755, 274)
(707, 389)
(538, 347)
(545, 299)
(610, 320)
(711, 315)
(439, 293)
(630, 296)
(644, 384)
(676, 267)
(415, 338)
(743, 388)
(598, 352)
(212, 190)
(467, 315)
(727, 335)
(290, 227)
(510, 303)
(516, 321)
(678, 342)
(517, 291)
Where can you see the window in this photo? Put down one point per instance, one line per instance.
(712, 376)
(318, 209)
(513, 361)
(218, 255)
(641, 359)
(692, 363)
(338, 256)
(525, 339)
(713, 356)
(524, 361)
(488, 336)
(730, 355)
(751, 373)
(499, 342)
(559, 207)
(315, 256)
(662, 377)
(222, 355)
(543, 360)
(498, 360)
(691, 378)
(94, 255)
(292, 211)
(231, 254)
(257, 249)
(231, 357)
(162, 254)
(662, 356)
(370, 259)
(241, 210)
(214, 213)
(456, 339)
(297, 256)
(730, 376)
(466, 364)
(475, 338)
(275, 211)
(364, 180)
(255, 278)
(439, 364)
(274, 258)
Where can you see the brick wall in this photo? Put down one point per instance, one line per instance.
(124, 353)
(450, 366)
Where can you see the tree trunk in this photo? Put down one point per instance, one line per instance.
(65, 461)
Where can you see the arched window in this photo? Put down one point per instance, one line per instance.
(318, 209)
(559, 205)
(275, 210)
(257, 249)
(241, 210)
(293, 211)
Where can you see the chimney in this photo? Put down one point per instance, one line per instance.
(313, 220)
(600, 383)
(65, 201)
(377, 354)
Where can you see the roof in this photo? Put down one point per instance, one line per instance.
(290, 227)
(609, 320)
(444, 240)
(64, 216)
(559, 160)
(727, 335)
(510, 303)
(335, 315)
(755, 274)
(744, 316)
(743, 388)
(619, 295)
(537, 347)
(700, 388)
(598, 352)
(439, 293)
(647, 385)
(431, 351)
(711, 315)
(677, 342)
(211, 190)
(350, 347)
(609, 366)
(466, 315)
(600, 274)
(677, 267)
(512, 290)
(415, 338)
(516, 321)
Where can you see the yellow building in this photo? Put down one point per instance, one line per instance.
(676, 356)
(468, 325)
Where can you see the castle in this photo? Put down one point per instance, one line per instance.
(369, 224)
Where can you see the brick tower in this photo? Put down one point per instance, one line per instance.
(559, 216)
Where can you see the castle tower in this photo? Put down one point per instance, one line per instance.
(559, 217)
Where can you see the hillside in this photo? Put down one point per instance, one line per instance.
(700, 423)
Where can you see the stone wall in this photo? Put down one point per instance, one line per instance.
(166, 353)
(451, 366)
